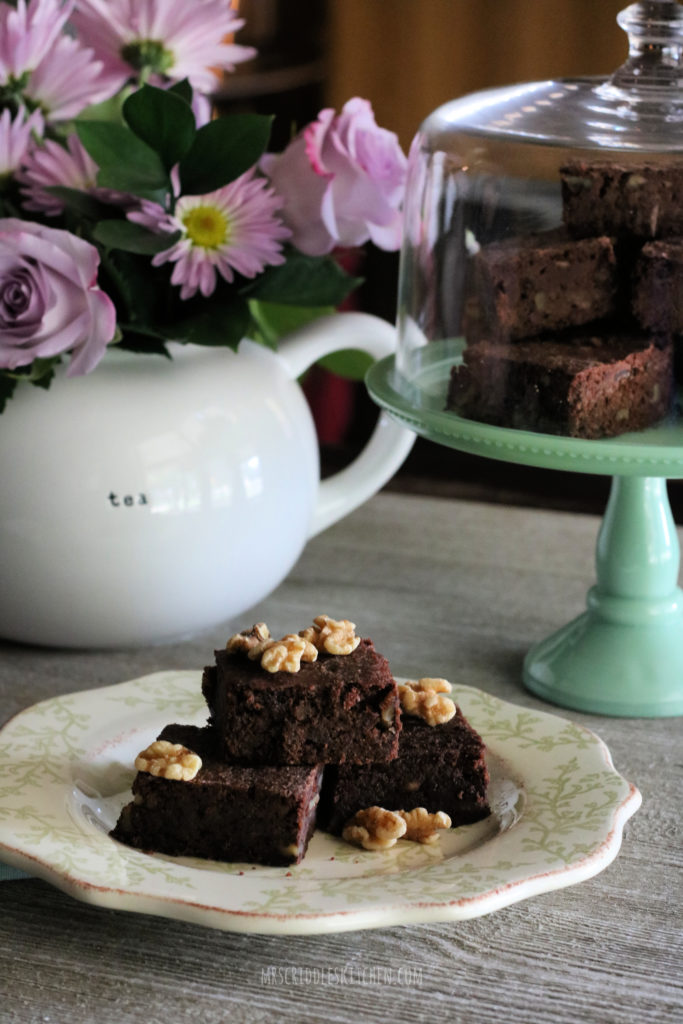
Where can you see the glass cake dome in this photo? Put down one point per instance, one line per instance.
(541, 276)
(540, 322)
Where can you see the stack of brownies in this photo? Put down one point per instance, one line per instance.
(572, 331)
(310, 730)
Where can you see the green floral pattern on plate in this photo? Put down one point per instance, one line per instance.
(65, 771)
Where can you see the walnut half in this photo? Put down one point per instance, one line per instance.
(249, 639)
(283, 655)
(423, 827)
(374, 828)
(169, 761)
(425, 699)
(287, 654)
(333, 636)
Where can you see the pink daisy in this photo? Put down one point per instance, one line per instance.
(53, 164)
(176, 38)
(28, 33)
(49, 68)
(234, 229)
(15, 136)
(68, 79)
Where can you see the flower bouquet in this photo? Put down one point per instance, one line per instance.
(129, 217)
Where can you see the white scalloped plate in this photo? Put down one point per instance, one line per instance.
(559, 808)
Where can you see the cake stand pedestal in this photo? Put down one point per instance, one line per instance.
(624, 654)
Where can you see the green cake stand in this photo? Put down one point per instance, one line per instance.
(624, 654)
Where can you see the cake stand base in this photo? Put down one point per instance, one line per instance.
(601, 667)
(624, 655)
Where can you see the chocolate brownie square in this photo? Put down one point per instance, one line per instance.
(262, 815)
(538, 283)
(643, 200)
(439, 767)
(581, 386)
(658, 287)
(338, 709)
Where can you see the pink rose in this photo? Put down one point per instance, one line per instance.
(49, 299)
(342, 181)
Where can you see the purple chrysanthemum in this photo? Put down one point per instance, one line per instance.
(234, 229)
(28, 33)
(175, 38)
(15, 137)
(68, 80)
(46, 67)
(54, 164)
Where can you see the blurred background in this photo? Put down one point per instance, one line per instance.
(408, 57)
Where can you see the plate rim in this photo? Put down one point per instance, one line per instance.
(387, 914)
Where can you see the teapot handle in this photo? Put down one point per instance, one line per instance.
(389, 443)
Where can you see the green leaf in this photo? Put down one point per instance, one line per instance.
(7, 386)
(125, 161)
(42, 371)
(350, 363)
(162, 119)
(140, 291)
(222, 150)
(79, 202)
(303, 281)
(140, 340)
(273, 320)
(123, 234)
(182, 89)
(220, 323)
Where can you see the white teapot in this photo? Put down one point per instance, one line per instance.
(155, 498)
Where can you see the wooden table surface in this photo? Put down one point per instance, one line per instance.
(445, 588)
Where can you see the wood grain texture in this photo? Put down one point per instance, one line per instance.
(408, 58)
(446, 588)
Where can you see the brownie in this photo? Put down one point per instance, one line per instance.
(581, 386)
(658, 287)
(263, 815)
(537, 283)
(439, 767)
(338, 709)
(642, 200)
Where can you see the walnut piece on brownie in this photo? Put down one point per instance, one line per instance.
(168, 761)
(425, 698)
(249, 640)
(331, 635)
(286, 655)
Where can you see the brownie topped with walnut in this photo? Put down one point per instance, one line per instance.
(440, 769)
(187, 802)
(323, 696)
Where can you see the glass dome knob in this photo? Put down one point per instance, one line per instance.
(655, 32)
